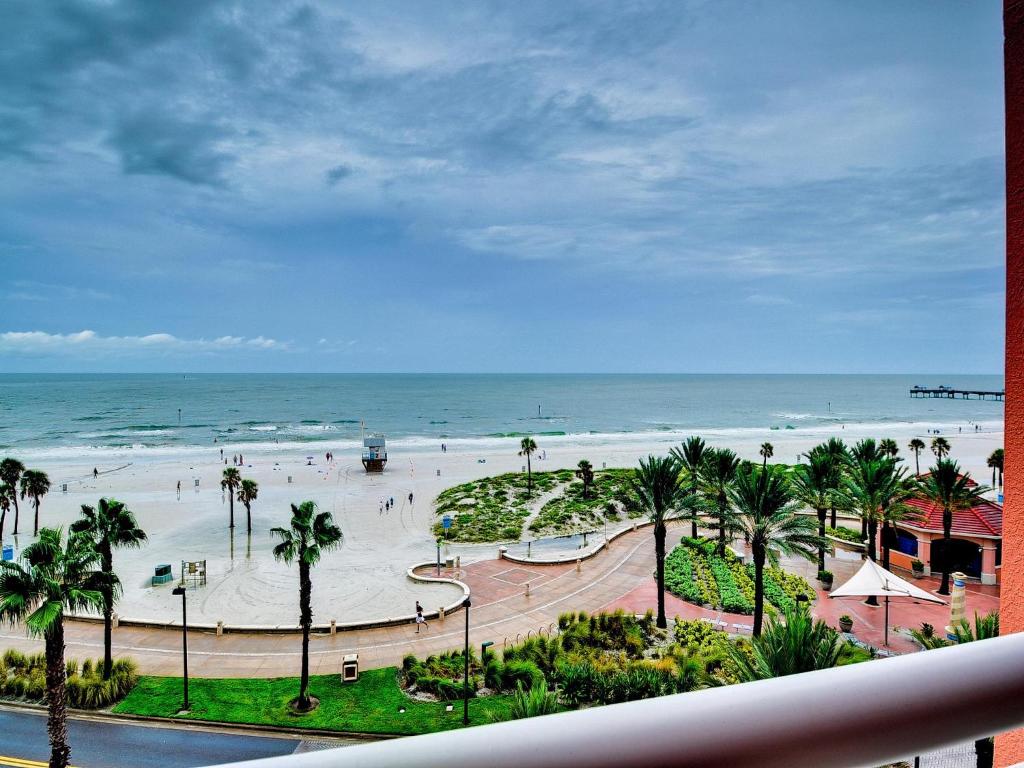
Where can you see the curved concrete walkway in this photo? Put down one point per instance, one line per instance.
(618, 577)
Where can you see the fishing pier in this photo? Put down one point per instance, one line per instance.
(955, 394)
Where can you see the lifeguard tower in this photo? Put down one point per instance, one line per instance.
(375, 453)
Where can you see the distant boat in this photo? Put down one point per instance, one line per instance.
(375, 452)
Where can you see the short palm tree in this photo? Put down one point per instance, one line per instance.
(10, 474)
(656, 482)
(995, 461)
(889, 448)
(248, 490)
(865, 450)
(767, 515)
(527, 447)
(585, 472)
(690, 456)
(900, 488)
(310, 535)
(812, 485)
(717, 475)
(789, 645)
(52, 577)
(34, 485)
(940, 447)
(229, 482)
(767, 451)
(7, 495)
(954, 491)
(916, 446)
(110, 525)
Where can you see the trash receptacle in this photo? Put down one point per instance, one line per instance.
(8, 552)
(350, 668)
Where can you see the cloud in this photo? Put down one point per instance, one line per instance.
(337, 173)
(31, 290)
(162, 144)
(89, 343)
(768, 300)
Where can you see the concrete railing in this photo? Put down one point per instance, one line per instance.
(859, 715)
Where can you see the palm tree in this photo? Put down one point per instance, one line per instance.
(247, 493)
(767, 451)
(995, 461)
(690, 456)
(35, 485)
(10, 474)
(717, 476)
(888, 447)
(7, 494)
(789, 645)
(231, 480)
(865, 450)
(953, 491)
(527, 447)
(839, 455)
(656, 482)
(110, 525)
(585, 472)
(52, 578)
(940, 447)
(812, 485)
(767, 515)
(916, 445)
(899, 489)
(311, 534)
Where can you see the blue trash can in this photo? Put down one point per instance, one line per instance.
(8, 552)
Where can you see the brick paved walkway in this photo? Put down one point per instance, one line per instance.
(619, 577)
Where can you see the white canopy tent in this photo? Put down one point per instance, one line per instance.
(873, 580)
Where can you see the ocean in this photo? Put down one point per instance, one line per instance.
(67, 415)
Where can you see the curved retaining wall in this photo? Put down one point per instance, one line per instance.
(322, 629)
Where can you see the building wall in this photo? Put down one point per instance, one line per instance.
(1010, 746)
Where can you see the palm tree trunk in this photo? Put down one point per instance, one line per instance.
(3, 519)
(659, 556)
(529, 476)
(872, 553)
(917, 462)
(758, 589)
(108, 613)
(56, 696)
(696, 518)
(885, 544)
(821, 533)
(17, 514)
(35, 531)
(306, 619)
(947, 533)
(248, 517)
(231, 506)
(864, 529)
(833, 516)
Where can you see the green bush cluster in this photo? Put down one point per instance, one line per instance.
(442, 674)
(608, 499)
(846, 534)
(23, 677)
(696, 574)
(493, 508)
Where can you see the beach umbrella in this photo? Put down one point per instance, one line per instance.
(873, 580)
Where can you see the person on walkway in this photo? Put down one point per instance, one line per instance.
(410, 498)
(95, 473)
(420, 620)
(179, 490)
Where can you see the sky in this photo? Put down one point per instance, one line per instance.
(501, 187)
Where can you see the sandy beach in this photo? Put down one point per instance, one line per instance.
(366, 578)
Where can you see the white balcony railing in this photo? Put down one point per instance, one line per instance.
(862, 715)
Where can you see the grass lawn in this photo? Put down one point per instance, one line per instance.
(370, 705)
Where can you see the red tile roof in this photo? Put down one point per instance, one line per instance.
(971, 483)
(983, 519)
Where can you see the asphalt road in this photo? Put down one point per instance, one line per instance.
(102, 743)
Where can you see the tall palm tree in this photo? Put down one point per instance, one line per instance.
(916, 445)
(995, 461)
(34, 485)
(229, 482)
(767, 451)
(839, 455)
(767, 515)
(109, 525)
(899, 489)
(585, 472)
(717, 476)
(812, 485)
(247, 493)
(889, 448)
(10, 474)
(690, 456)
(656, 482)
(310, 535)
(940, 447)
(7, 494)
(954, 491)
(52, 577)
(527, 447)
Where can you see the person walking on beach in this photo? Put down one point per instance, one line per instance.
(410, 498)
(95, 473)
(179, 490)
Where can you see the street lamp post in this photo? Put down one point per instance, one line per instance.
(465, 681)
(483, 649)
(184, 641)
(438, 557)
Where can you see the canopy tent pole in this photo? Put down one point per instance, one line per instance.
(887, 620)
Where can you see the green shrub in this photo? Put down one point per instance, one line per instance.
(24, 677)
(520, 673)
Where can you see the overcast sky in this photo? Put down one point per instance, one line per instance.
(530, 186)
